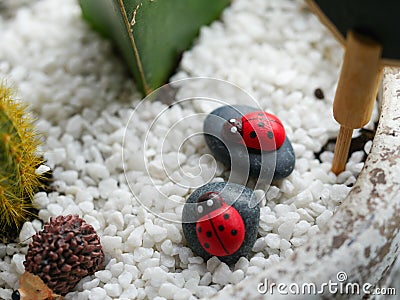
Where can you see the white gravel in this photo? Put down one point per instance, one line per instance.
(83, 98)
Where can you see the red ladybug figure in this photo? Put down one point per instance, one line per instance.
(220, 228)
(258, 130)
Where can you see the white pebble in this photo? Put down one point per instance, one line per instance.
(273, 240)
(69, 176)
(116, 269)
(107, 187)
(292, 216)
(356, 157)
(97, 171)
(298, 241)
(158, 233)
(212, 263)
(286, 187)
(104, 275)
(18, 260)
(111, 244)
(284, 245)
(313, 230)
(173, 233)
(192, 285)
(323, 218)
(9, 278)
(301, 228)
(168, 261)
(367, 147)
(42, 169)
(242, 264)
(55, 209)
(282, 209)
(86, 206)
(305, 215)
(257, 261)
(5, 293)
(195, 260)
(89, 285)
(113, 289)
(41, 200)
(339, 192)
(236, 276)
(155, 275)
(289, 252)
(135, 238)
(27, 231)
(259, 244)
(184, 294)
(152, 262)
(221, 274)
(141, 254)
(74, 126)
(285, 230)
(130, 292)
(166, 247)
(303, 198)
(184, 254)
(168, 290)
(116, 218)
(132, 269)
(272, 193)
(83, 196)
(356, 168)
(97, 293)
(206, 279)
(318, 208)
(205, 291)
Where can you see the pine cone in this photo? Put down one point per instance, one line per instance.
(65, 251)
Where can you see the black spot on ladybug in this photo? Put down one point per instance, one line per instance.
(260, 124)
(226, 216)
(208, 233)
(261, 114)
(270, 135)
(206, 245)
(253, 134)
(199, 229)
(221, 227)
(233, 231)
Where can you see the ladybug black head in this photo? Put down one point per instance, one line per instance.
(232, 131)
(207, 203)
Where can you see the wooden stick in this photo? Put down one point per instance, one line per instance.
(356, 92)
(341, 149)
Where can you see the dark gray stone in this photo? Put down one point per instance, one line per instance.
(256, 164)
(242, 199)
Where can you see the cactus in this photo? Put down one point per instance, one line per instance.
(18, 162)
(151, 35)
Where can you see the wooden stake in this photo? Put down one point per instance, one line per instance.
(356, 92)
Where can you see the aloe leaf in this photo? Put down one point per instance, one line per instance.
(151, 34)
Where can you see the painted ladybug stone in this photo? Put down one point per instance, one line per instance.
(249, 140)
(221, 219)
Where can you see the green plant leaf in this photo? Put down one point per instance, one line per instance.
(151, 34)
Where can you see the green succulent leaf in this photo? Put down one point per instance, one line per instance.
(151, 34)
